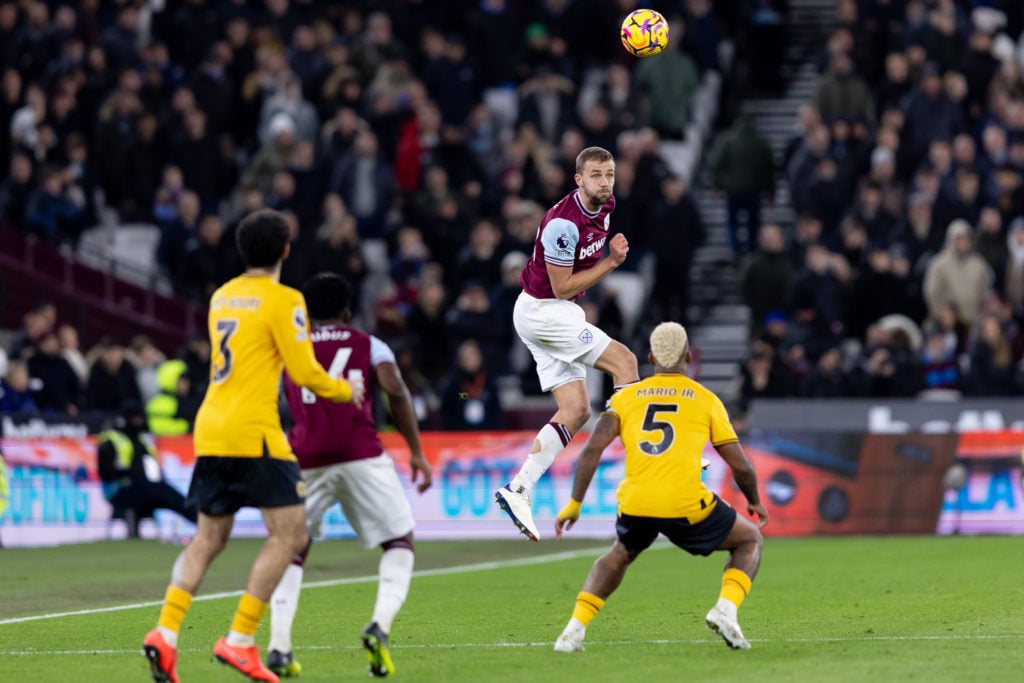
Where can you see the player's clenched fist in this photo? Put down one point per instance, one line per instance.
(618, 247)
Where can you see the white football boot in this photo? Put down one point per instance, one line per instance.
(571, 639)
(516, 505)
(722, 620)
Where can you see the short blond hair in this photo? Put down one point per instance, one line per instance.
(668, 344)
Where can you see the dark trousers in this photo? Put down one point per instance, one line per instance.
(743, 208)
(139, 500)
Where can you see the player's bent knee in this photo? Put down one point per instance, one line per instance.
(405, 543)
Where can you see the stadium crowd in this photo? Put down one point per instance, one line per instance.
(425, 140)
(904, 272)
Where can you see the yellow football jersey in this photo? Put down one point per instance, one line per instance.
(664, 423)
(257, 326)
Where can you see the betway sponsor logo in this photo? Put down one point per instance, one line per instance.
(36, 428)
(591, 249)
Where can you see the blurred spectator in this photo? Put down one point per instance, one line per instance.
(815, 301)
(886, 366)
(991, 371)
(762, 375)
(288, 101)
(172, 411)
(469, 398)
(765, 277)
(940, 368)
(957, 275)
(669, 83)
(69, 349)
(876, 292)
(128, 467)
(59, 390)
(1015, 265)
(827, 379)
(930, 115)
(366, 183)
(743, 167)
(15, 189)
(546, 103)
(146, 358)
(201, 270)
(111, 380)
(766, 27)
(176, 232)
(473, 318)
(842, 94)
(338, 248)
(15, 394)
(991, 244)
(196, 356)
(429, 333)
(52, 212)
(480, 259)
(674, 250)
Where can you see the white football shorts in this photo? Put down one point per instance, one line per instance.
(561, 340)
(371, 496)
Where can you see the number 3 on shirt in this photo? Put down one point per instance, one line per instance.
(226, 328)
(336, 370)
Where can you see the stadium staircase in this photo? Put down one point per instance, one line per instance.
(719, 322)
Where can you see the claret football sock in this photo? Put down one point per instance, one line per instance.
(552, 438)
(176, 604)
(587, 607)
(735, 586)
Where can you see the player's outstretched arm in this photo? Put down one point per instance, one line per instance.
(605, 431)
(292, 339)
(567, 284)
(746, 478)
(389, 379)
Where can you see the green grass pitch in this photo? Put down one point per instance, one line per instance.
(826, 609)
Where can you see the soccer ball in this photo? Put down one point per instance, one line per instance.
(644, 33)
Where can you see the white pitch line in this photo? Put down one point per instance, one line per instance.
(590, 643)
(442, 571)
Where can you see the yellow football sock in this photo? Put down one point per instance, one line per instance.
(176, 603)
(735, 586)
(587, 607)
(249, 614)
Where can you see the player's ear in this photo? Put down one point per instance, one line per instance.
(650, 358)
(579, 180)
(287, 251)
(689, 357)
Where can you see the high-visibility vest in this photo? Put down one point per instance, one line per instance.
(124, 449)
(161, 411)
(3, 487)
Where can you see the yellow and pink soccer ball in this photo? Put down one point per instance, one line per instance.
(644, 33)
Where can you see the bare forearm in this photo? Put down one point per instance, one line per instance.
(584, 279)
(747, 482)
(405, 420)
(585, 468)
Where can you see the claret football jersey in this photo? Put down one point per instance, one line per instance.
(327, 433)
(569, 235)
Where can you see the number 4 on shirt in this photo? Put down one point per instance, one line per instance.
(336, 370)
